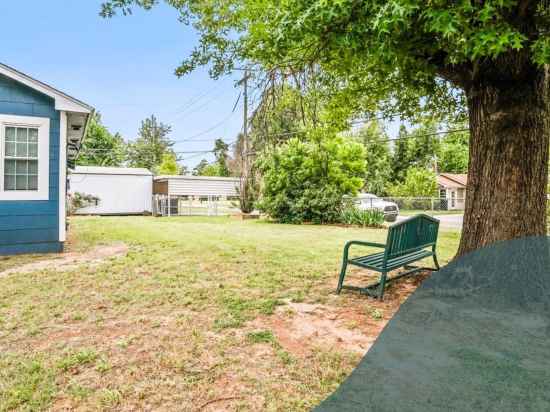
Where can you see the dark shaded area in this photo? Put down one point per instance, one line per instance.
(474, 336)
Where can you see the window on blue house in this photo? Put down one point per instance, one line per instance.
(25, 157)
(21, 158)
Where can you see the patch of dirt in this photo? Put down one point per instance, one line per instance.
(350, 321)
(71, 260)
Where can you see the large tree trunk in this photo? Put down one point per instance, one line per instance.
(508, 172)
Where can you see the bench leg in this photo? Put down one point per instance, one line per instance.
(382, 285)
(342, 275)
(436, 263)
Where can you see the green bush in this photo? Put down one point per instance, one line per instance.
(419, 182)
(305, 180)
(81, 200)
(350, 215)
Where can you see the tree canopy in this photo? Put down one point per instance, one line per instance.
(410, 54)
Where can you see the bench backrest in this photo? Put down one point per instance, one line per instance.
(411, 235)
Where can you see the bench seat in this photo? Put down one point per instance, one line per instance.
(376, 260)
(408, 241)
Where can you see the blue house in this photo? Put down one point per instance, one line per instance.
(41, 130)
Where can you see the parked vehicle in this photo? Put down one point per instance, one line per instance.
(368, 201)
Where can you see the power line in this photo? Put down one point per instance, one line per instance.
(224, 120)
(414, 136)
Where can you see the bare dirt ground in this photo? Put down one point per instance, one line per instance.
(71, 260)
(352, 325)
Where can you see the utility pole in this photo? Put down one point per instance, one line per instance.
(245, 167)
(245, 122)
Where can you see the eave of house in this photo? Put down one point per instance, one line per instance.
(78, 112)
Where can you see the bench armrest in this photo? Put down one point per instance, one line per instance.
(361, 243)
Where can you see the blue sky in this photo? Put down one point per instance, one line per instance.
(124, 67)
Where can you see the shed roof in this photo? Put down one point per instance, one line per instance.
(452, 180)
(100, 170)
(189, 177)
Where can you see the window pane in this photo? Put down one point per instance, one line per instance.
(33, 150)
(10, 134)
(10, 149)
(33, 135)
(9, 182)
(33, 182)
(9, 167)
(21, 135)
(20, 174)
(21, 168)
(21, 150)
(20, 182)
(33, 167)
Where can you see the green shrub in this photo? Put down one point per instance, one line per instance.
(81, 200)
(350, 215)
(305, 180)
(419, 182)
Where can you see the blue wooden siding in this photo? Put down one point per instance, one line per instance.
(31, 226)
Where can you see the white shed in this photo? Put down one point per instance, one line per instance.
(121, 190)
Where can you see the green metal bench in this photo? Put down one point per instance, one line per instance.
(408, 241)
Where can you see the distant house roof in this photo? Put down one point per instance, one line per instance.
(452, 180)
(100, 170)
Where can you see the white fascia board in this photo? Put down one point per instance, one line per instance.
(63, 102)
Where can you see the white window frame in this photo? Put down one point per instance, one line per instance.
(43, 126)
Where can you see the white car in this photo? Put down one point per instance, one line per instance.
(368, 201)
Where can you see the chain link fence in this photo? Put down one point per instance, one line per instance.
(412, 205)
(164, 205)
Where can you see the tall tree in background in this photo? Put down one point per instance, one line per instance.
(409, 57)
(377, 153)
(424, 144)
(100, 147)
(221, 155)
(401, 159)
(151, 145)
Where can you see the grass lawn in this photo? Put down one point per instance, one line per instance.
(199, 314)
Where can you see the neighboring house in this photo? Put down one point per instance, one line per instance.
(452, 187)
(121, 191)
(41, 130)
(187, 195)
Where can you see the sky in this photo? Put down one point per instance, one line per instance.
(123, 67)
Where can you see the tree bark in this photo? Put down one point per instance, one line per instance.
(508, 171)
